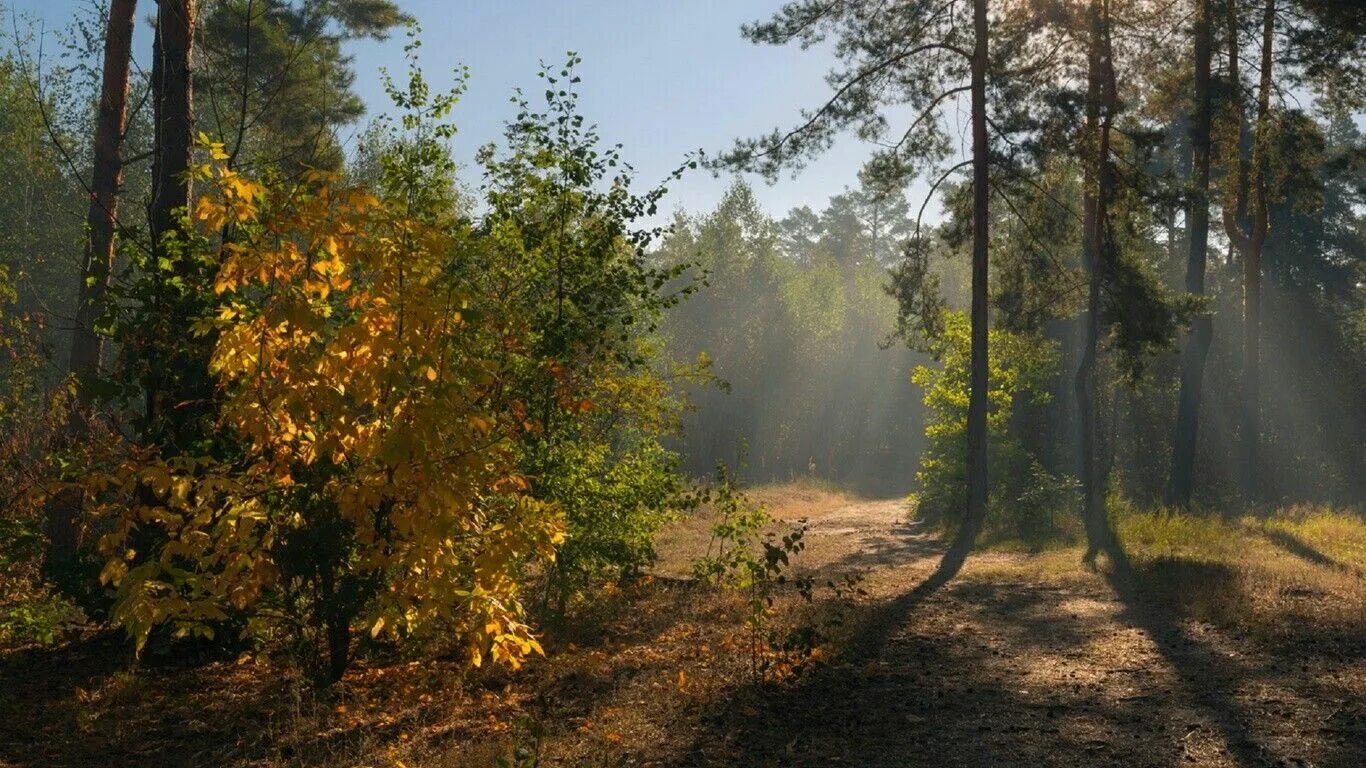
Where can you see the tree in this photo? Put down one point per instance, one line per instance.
(1182, 474)
(37, 231)
(273, 81)
(176, 391)
(792, 319)
(1097, 249)
(102, 221)
(1247, 192)
(919, 55)
(106, 178)
(173, 110)
(977, 389)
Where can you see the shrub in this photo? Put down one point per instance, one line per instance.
(411, 407)
(751, 553)
(32, 420)
(376, 478)
(1024, 498)
(568, 258)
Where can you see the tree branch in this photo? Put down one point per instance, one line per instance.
(853, 82)
(929, 195)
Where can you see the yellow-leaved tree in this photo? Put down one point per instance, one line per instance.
(371, 480)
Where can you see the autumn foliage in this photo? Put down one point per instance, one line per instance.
(387, 413)
(374, 478)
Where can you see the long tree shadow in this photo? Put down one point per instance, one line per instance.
(987, 671)
(1305, 551)
(1207, 679)
(1154, 596)
(821, 718)
(924, 683)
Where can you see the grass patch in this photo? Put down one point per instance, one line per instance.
(1281, 572)
(1278, 572)
(1337, 536)
(1322, 535)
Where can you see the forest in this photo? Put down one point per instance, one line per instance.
(332, 436)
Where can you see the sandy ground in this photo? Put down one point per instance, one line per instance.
(1028, 660)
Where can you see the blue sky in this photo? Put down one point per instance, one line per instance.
(662, 77)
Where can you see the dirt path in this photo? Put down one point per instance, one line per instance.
(842, 534)
(1021, 662)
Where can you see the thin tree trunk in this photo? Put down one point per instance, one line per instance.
(174, 131)
(1251, 181)
(1182, 476)
(174, 115)
(98, 263)
(338, 649)
(1100, 105)
(976, 512)
(1252, 266)
(102, 216)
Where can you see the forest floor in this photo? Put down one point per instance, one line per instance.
(1230, 643)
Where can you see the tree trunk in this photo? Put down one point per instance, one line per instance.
(1252, 266)
(173, 117)
(1250, 242)
(338, 649)
(102, 216)
(1180, 481)
(63, 529)
(1100, 106)
(976, 512)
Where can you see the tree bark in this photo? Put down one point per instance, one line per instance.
(173, 116)
(1251, 242)
(976, 512)
(87, 345)
(107, 176)
(1180, 481)
(338, 649)
(1100, 106)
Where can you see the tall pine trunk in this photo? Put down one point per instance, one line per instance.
(107, 176)
(976, 512)
(1180, 480)
(1251, 242)
(1100, 106)
(98, 260)
(173, 116)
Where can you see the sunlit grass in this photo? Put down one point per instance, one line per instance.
(1322, 535)
(1337, 534)
(1273, 571)
(1169, 533)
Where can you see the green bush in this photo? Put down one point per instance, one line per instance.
(1025, 499)
(615, 500)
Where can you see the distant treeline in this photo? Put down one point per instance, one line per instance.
(795, 323)
(794, 320)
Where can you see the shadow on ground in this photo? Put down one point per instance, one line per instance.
(1303, 550)
(1101, 672)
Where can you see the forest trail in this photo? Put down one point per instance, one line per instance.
(1026, 659)
(842, 533)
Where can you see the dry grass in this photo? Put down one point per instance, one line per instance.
(1302, 566)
